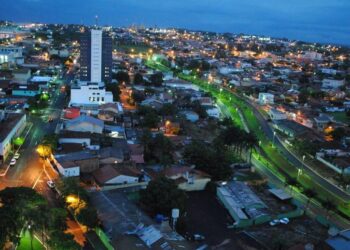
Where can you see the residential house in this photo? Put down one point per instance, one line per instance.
(322, 121)
(87, 161)
(290, 128)
(114, 107)
(85, 123)
(85, 139)
(277, 115)
(213, 111)
(21, 75)
(111, 155)
(26, 90)
(110, 175)
(71, 113)
(266, 98)
(136, 153)
(332, 83)
(190, 115)
(11, 126)
(68, 168)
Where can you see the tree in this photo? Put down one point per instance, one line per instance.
(44, 151)
(62, 241)
(137, 96)
(58, 219)
(328, 205)
(138, 78)
(150, 117)
(199, 109)
(157, 79)
(291, 182)
(338, 133)
(19, 207)
(303, 96)
(168, 109)
(210, 159)
(70, 186)
(122, 77)
(157, 149)
(310, 194)
(114, 88)
(88, 217)
(161, 196)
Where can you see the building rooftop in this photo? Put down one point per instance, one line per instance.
(242, 200)
(341, 241)
(85, 118)
(82, 155)
(8, 124)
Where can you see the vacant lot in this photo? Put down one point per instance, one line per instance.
(301, 230)
(206, 216)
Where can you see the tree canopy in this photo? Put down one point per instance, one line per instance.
(161, 196)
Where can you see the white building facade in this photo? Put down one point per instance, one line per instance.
(87, 93)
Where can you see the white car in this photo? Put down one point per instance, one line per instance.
(13, 162)
(284, 221)
(16, 156)
(51, 184)
(274, 222)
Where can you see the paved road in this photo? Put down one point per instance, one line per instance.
(314, 208)
(265, 126)
(30, 170)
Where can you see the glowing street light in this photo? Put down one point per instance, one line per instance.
(300, 172)
(273, 140)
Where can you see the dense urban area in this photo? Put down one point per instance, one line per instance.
(148, 138)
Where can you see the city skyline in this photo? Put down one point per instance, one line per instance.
(314, 21)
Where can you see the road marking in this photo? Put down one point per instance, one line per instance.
(37, 180)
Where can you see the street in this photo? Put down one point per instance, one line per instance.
(294, 159)
(30, 170)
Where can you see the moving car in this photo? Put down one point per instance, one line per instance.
(13, 162)
(284, 221)
(51, 184)
(274, 222)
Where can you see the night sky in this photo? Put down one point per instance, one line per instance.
(326, 21)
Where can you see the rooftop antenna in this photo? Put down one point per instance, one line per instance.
(96, 20)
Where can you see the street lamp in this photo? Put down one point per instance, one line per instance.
(300, 172)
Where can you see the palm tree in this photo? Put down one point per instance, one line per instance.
(310, 194)
(290, 182)
(251, 142)
(328, 205)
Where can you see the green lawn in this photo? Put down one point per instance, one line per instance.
(104, 238)
(269, 156)
(25, 243)
(340, 117)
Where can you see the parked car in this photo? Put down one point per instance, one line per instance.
(274, 222)
(284, 221)
(16, 156)
(13, 162)
(198, 237)
(51, 184)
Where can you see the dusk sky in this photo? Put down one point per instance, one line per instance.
(325, 21)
